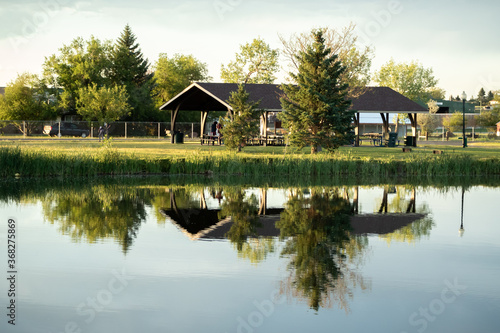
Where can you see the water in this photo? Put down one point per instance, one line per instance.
(159, 257)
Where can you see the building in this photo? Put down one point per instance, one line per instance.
(446, 106)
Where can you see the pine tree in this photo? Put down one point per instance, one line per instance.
(315, 109)
(243, 122)
(490, 96)
(132, 70)
(481, 96)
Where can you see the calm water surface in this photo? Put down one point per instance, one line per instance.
(219, 258)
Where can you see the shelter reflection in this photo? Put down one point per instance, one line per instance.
(323, 232)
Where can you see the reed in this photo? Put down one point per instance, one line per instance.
(107, 161)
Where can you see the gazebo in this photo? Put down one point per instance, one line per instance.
(204, 97)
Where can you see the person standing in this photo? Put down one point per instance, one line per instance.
(214, 128)
(101, 133)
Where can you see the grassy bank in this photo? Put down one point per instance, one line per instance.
(46, 161)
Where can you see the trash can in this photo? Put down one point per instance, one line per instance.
(179, 137)
(410, 141)
(393, 137)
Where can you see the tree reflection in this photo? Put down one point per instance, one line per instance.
(96, 213)
(243, 211)
(318, 241)
(404, 201)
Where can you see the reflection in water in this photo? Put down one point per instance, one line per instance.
(318, 240)
(324, 236)
(96, 213)
(243, 211)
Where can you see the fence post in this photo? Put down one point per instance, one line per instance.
(125, 130)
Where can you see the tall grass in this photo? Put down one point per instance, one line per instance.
(107, 161)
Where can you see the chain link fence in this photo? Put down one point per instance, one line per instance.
(91, 129)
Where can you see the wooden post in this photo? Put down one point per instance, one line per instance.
(356, 129)
(203, 122)
(173, 117)
(125, 130)
(266, 113)
(355, 200)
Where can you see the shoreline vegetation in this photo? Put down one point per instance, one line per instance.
(79, 160)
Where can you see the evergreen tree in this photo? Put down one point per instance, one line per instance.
(315, 109)
(481, 96)
(130, 69)
(490, 96)
(243, 122)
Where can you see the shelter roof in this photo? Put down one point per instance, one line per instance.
(203, 96)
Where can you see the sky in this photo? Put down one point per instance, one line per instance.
(457, 39)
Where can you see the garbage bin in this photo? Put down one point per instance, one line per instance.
(392, 139)
(410, 141)
(179, 137)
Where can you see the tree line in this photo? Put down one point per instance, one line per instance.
(107, 81)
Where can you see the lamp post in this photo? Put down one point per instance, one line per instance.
(464, 139)
(461, 230)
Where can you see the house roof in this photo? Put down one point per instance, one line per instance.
(203, 96)
(207, 224)
(385, 100)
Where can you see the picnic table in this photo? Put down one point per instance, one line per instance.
(375, 138)
(207, 138)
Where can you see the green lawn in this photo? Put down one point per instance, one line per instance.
(152, 148)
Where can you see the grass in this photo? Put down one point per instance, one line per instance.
(85, 157)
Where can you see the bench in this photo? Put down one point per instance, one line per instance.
(209, 138)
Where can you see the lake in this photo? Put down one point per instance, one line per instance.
(209, 255)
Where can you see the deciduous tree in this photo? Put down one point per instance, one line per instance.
(409, 79)
(429, 122)
(78, 65)
(257, 62)
(27, 98)
(454, 122)
(103, 104)
(174, 74)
